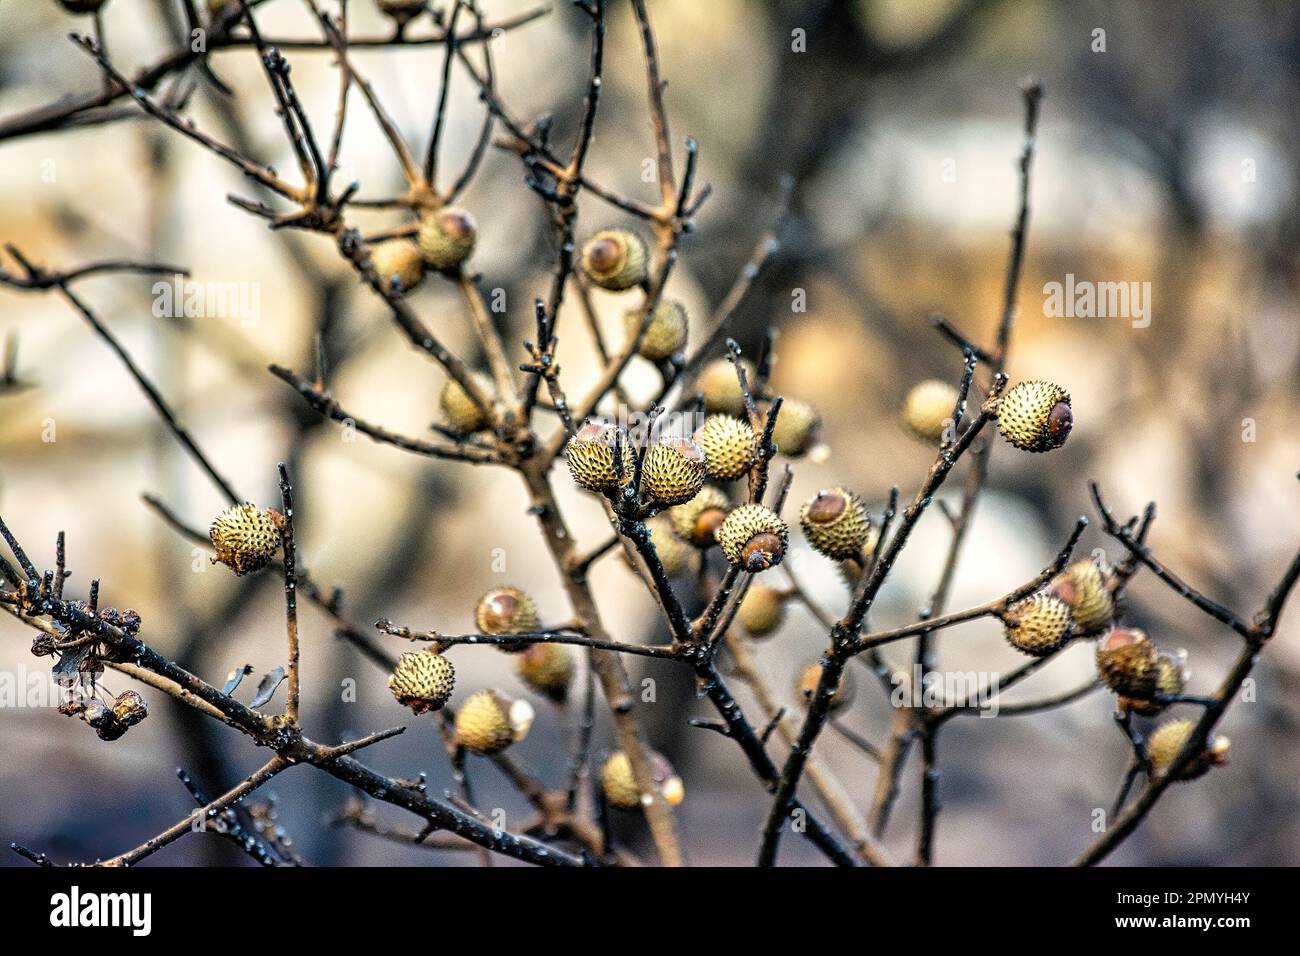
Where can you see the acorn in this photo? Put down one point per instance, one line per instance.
(836, 523)
(1170, 679)
(762, 611)
(673, 552)
(82, 6)
(423, 681)
(548, 669)
(401, 11)
(615, 259)
(1167, 740)
(797, 429)
(507, 610)
(398, 259)
(1084, 588)
(928, 409)
(1127, 661)
(1039, 624)
(805, 688)
(665, 334)
(697, 522)
(246, 537)
(590, 454)
(129, 708)
(489, 722)
(1035, 416)
(673, 472)
(721, 388)
(729, 446)
(619, 785)
(753, 538)
(447, 237)
(458, 409)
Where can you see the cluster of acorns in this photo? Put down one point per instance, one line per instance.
(445, 240)
(1033, 416)
(109, 720)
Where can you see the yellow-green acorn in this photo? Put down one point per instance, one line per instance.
(1127, 662)
(1170, 679)
(1039, 624)
(697, 522)
(447, 237)
(1168, 740)
(548, 669)
(721, 388)
(1036, 416)
(590, 454)
(615, 259)
(674, 553)
(489, 722)
(458, 409)
(753, 538)
(836, 523)
(762, 611)
(1084, 588)
(805, 688)
(798, 427)
(665, 334)
(673, 472)
(402, 11)
(246, 537)
(928, 409)
(422, 681)
(398, 259)
(729, 446)
(507, 610)
(619, 785)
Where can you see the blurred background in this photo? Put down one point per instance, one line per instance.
(1168, 153)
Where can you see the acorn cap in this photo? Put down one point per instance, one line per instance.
(398, 259)
(753, 538)
(797, 428)
(422, 680)
(458, 409)
(721, 388)
(697, 522)
(1168, 740)
(619, 785)
(548, 669)
(836, 523)
(673, 471)
(729, 446)
(1039, 624)
(1036, 416)
(246, 537)
(615, 259)
(1126, 660)
(1170, 678)
(1085, 590)
(447, 237)
(762, 611)
(927, 411)
(590, 454)
(489, 722)
(665, 334)
(805, 687)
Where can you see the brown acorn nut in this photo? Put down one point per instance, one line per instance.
(805, 687)
(762, 611)
(615, 259)
(447, 237)
(721, 388)
(459, 411)
(797, 429)
(1083, 586)
(398, 259)
(548, 669)
(246, 537)
(697, 522)
(1127, 660)
(1035, 416)
(673, 472)
(928, 409)
(729, 446)
(507, 610)
(665, 333)
(423, 681)
(1170, 679)
(489, 722)
(619, 785)
(1039, 624)
(590, 454)
(836, 523)
(753, 538)
(1168, 740)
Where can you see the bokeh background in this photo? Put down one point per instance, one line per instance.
(1171, 157)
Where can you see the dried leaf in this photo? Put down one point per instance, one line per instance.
(235, 677)
(266, 689)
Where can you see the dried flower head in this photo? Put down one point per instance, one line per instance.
(1170, 679)
(422, 680)
(615, 259)
(246, 537)
(1036, 416)
(1126, 660)
(1083, 586)
(1039, 624)
(753, 538)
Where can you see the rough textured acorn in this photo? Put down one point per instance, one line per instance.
(1039, 624)
(402, 11)
(590, 454)
(729, 446)
(697, 522)
(246, 537)
(753, 538)
(1084, 588)
(507, 610)
(458, 409)
(615, 259)
(398, 259)
(1170, 678)
(447, 237)
(1167, 740)
(928, 409)
(798, 428)
(805, 688)
(673, 472)
(1127, 662)
(548, 669)
(1036, 416)
(489, 722)
(836, 523)
(619, 785)
(763, 610)
(665, 335)
(721, 388)
(422, 681)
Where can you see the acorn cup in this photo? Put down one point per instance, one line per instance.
(1039, 625)
(422, 681)
(1167, 740)
(1036, 416)
(398, 259)
(729, 446)
(762, 611)
(615, 259)
(504, 611)
(1084, 588)
(246, 537)
(401, 11)
(619, 786)
(459, 412)
(548, 669)
(447, 237)
(697, 522)
(665, 334)
(721, 388)
(489, 722)
(673, 472)
(1127, 661)
(805, 687)
(753, 538)
(835, 523)
(1170, 679)
(590, 454)
(927, 411)
(797, 429)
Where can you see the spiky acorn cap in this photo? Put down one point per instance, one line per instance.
(1036, 416)
(753, 538)
(447, 237)
(836, 523)
(1083, 586)
(615, 259)
(798, 427)
(619, 785)
(665, 334)
(928, 409)
(422, 680)
(721, 388)
(548, 669)
(1170, 679)
(1039, 624)
(590, 454)
(805, 687)
(399, 259)
(673, 472)
(246, 537)
(507, 610)
(729, 446)
(403, 11)
(1168, 740)
(697, 522)
(489, 722)
(458, 409)
(1127, 662)
(762, 611)
(129, 708)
